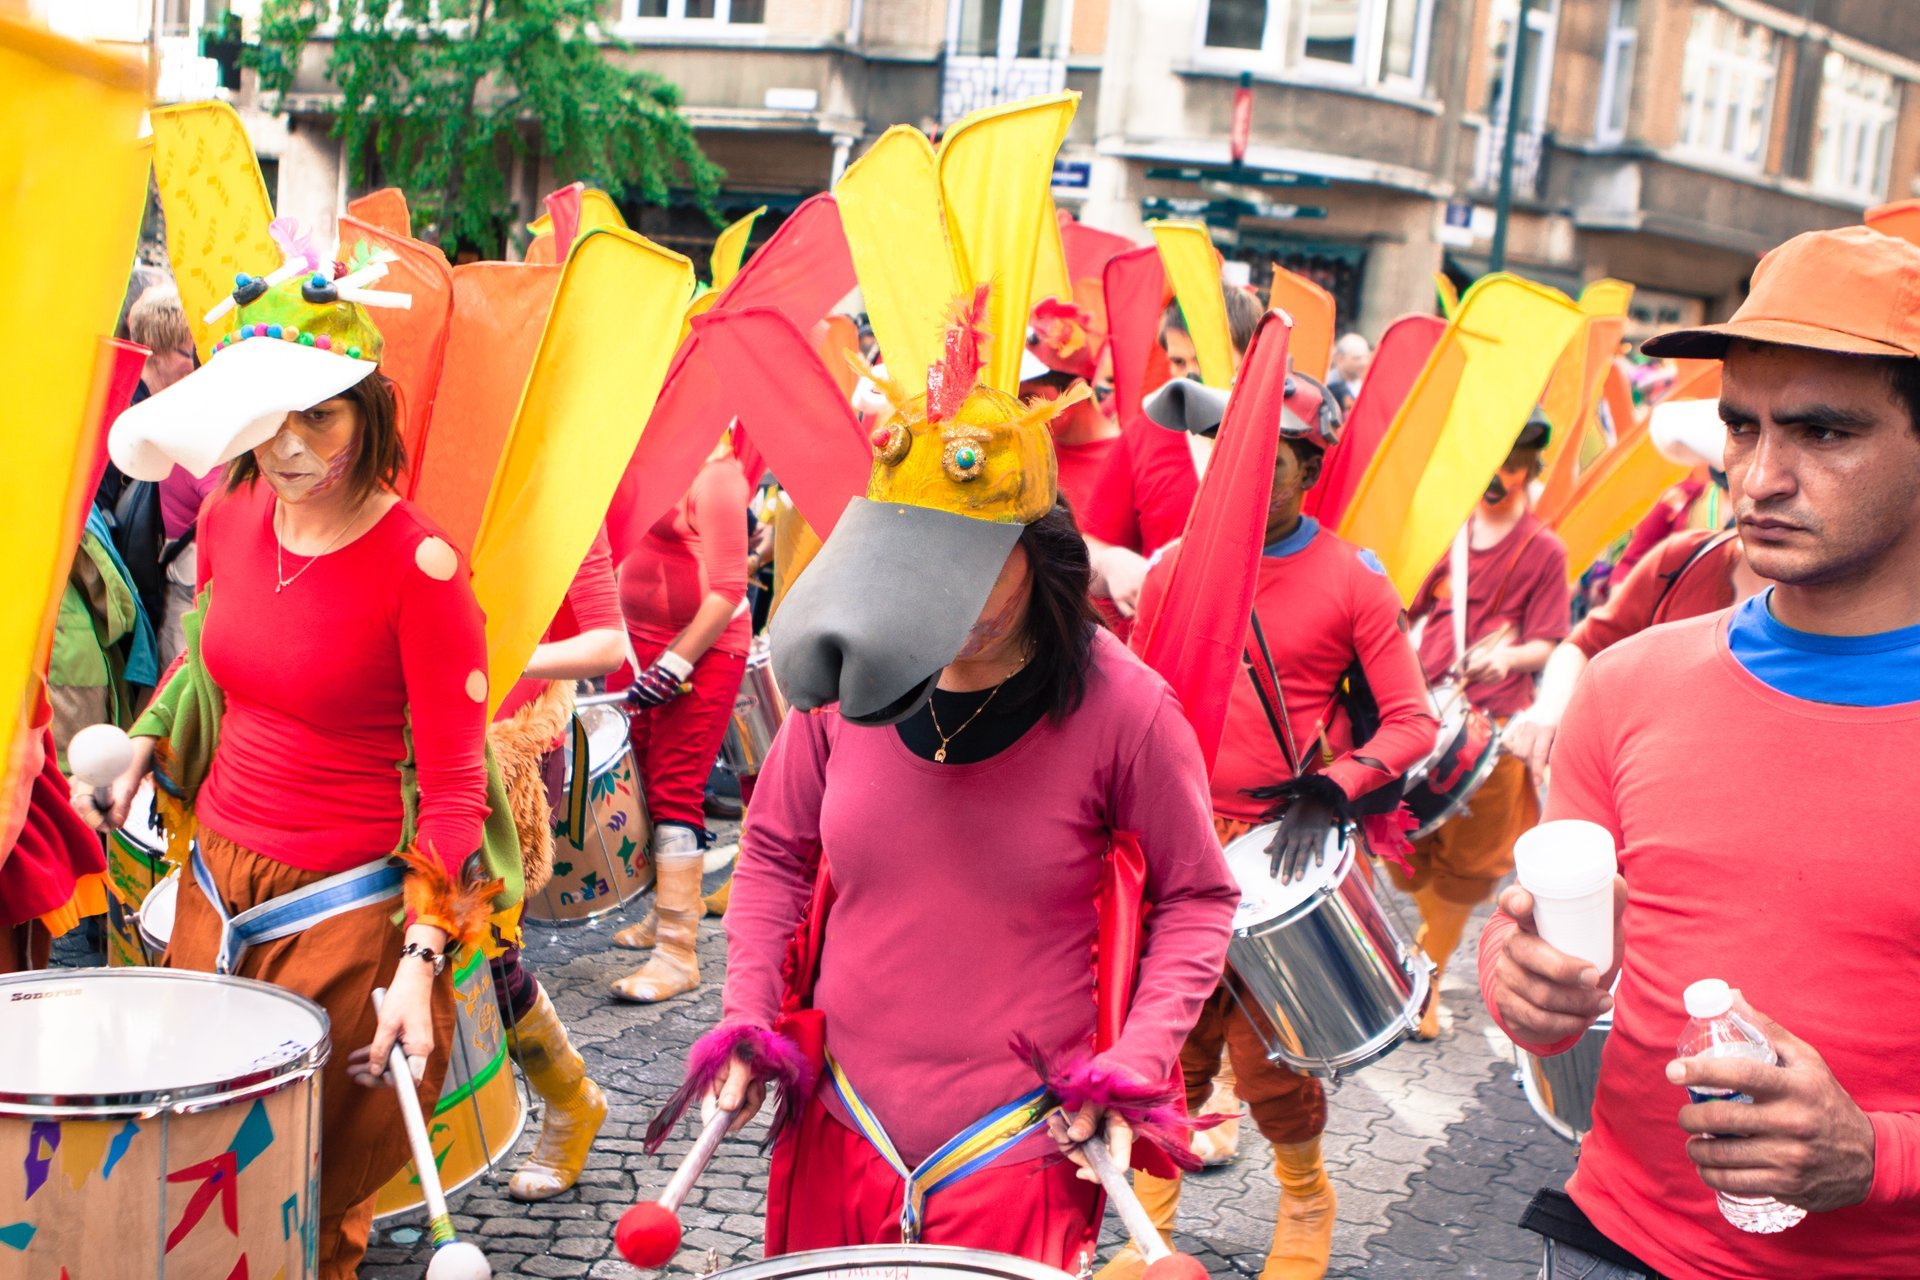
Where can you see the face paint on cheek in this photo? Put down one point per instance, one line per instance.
(991, 629)
(1496, 492)
(335, 470)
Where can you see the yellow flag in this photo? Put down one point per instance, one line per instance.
(1606, 297)
(1620, 489)
(889, 203)
(603, 356)
(730, 248)
(72, 182)
(1448, 295)
(1458, 423)
(996, 183)
(597, 209)
(1050, 278)
(1187, 253)
(216, 206)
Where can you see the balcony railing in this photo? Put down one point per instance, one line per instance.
(970, 83)
(1529, 160)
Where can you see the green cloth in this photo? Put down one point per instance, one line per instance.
(186, 713)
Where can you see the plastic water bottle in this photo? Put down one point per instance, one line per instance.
(1714, 1030)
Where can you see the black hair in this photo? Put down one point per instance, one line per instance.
(1305, 453)
(1060, 617)
(1903, 379)
(1052, 378)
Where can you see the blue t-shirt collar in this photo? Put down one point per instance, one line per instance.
(1296, 541)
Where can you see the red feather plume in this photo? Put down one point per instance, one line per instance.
(952, 379)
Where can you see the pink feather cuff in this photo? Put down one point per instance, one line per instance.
(771, 1057)
(1154, 1111)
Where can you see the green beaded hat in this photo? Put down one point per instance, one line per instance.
(294, 338)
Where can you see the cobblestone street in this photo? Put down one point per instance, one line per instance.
(1434, 1150)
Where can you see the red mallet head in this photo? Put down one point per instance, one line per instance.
(649, 1235)
(1176, 1266)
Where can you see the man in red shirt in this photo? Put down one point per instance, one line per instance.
(1331, 610)
(1144, 493)
(1755, 768)
(1518, 607)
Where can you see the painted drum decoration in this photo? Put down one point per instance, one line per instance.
(1326, 975)
(139, 1151)
(608, 865)
(758, 711)
(480, 1113)
(1464, 754)
(136, 864)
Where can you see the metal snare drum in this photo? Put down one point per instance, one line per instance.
(1561, 1089)
(162, 1125)
(155, 918)
(1464, 754)
(136, 865)
(894, 1262)
(610, 867)
(1335, 982)
(758, 710)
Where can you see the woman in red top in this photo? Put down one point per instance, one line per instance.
(684, 596)
(339, 632)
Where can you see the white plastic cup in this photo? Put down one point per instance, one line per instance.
(1568, 865)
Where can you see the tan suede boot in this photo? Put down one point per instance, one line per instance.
(1220, 1144)
(641, 935)
(575, 1107)
(1442, 923)
(1160, 1197)
(674, 967)
(1303, 1230)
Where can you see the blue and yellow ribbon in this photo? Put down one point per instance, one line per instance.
(964, 1154)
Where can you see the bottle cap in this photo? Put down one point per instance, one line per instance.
(1708, 998)
(1565, 858)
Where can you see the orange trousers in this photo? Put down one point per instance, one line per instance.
(336, 964)
(1462, 861)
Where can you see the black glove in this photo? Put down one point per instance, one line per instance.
(660, 683)
(1311, 806)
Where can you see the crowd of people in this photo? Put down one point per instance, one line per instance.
(982, 901)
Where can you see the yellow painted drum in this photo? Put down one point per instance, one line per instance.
(610, 866)
(136, 865)
(480, 1114)
(169, 1131)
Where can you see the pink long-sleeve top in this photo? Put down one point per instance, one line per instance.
(324, 677)
(1768, 841)
(966, 909)
(699, 547)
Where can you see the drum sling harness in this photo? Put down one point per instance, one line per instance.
(295, 912)
(967, 1152)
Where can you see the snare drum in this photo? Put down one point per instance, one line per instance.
(480, 1114)
(894, 1262)
(1561, 1089)
(1334, 980)
(136, 864)
(1464, 754)
(758, 710)
(610, 867)
(160, 1123)
(155, 919)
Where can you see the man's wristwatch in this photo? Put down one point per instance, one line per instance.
(438, 959)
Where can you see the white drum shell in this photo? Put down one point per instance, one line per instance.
(894, 1262)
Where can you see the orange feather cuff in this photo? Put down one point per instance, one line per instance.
(432, 898)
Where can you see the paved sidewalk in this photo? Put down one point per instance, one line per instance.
(1433, 1150)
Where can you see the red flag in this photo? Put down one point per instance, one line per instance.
(1397, 363)
(802, 271)
(788, 400)
(116, 373)
(1201, 629)
(563, 206)
(1089, 249)
(1136, 292)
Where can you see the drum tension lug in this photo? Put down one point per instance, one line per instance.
(710, 1263)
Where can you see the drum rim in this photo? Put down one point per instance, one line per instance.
(845, 1257)
(184, 1099)
(1349, 853)
(140, 912)
(1475, 780)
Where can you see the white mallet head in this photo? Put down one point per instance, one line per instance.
(459, 1261)
(100, 753)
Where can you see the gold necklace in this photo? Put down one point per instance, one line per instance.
(940, 752)
(281, 580)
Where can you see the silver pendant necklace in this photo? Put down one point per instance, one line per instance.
(281, 580)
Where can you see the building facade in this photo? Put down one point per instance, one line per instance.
(1663, 142)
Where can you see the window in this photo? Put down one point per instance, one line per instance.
(1616, 77)
(1726, 89)
(716, 12)
(1369, 42)
(1859, 107)
(1542, 21)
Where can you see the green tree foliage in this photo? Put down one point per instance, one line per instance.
(438, 96)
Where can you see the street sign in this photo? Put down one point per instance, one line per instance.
(1072, 175)
(1243, 176)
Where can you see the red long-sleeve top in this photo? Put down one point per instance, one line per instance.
(1519, 583)
(1322, 607)
(698, 547)
(1081, 467)
(1146, 489)
(324, 678)
(966, 907)
(1766, 840)
(1653, 593)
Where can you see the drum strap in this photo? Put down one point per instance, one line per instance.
(295, 912)
(966, 1153)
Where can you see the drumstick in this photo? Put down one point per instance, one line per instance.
(1162, 1263)
(453, 1258)
(649, 1233)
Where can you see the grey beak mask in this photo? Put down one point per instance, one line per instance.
(1186, 405)
(889, 601)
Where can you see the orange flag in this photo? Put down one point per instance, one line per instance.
(416, 337)
(1312, 310)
